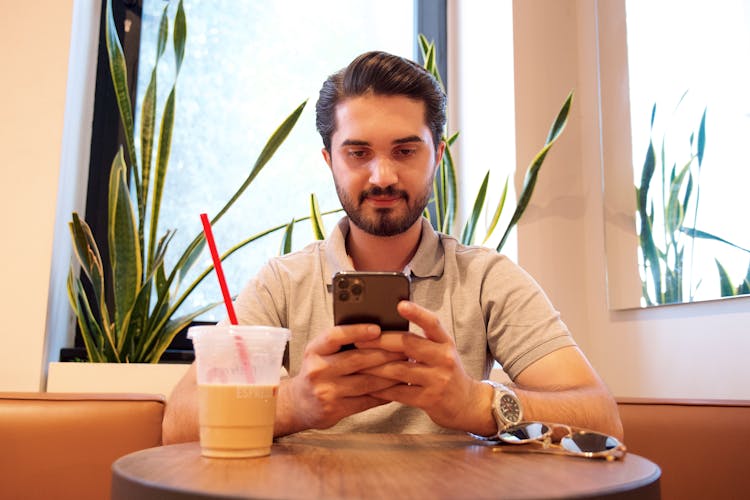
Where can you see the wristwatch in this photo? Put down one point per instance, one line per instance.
(506, 407)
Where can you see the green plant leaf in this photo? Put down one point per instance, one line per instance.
(179, 36)
(87, 323)
(119, 75)
(160, 174)
(161, 39)
(467, 235)
(450, 187)
(675, 209)
(158, 268)
(651, 260)
(124, 250)
(436, 202)
(744, 288)
(696, 233)
(701, 138)
(87, 254)
(647, 173)
(429, 56)
(286, 240)
(148, 125)
(172, 328)
(319, 231)
(533, 170)
(725, 283)
(424, 45)
(139, 327)
(498, 212)
(688, 193)
(140, 317)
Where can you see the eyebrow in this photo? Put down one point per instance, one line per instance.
(405, 140)
(402, 140)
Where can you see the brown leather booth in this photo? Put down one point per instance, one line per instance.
(702, 447)
(61, 446)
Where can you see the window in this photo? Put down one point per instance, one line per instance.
(686, 58)
(247, 66)
(681, 59)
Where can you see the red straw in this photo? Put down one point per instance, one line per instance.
(217, 266)
(225, 293)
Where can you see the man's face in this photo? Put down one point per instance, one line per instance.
(383, 162)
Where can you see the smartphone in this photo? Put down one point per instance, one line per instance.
(369, 297)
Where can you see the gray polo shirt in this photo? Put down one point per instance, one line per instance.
(493, 309)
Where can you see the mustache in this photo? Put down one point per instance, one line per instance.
(389, 191)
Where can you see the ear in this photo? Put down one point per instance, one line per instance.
(327, 157)
(439, 155)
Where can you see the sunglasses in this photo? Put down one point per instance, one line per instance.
(561, 439)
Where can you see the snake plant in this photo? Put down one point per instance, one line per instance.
(443, 214)
(662, 233)
(129, 315)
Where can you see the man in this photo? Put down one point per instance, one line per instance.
(381, 120)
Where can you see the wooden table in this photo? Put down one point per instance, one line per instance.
(388, 466)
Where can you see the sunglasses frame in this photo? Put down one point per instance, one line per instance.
(556, 446)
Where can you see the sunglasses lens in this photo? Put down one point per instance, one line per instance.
(589, 442)
(522, 433)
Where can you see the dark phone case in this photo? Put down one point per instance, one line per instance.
(380, 293)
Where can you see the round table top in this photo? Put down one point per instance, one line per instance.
(316, 465)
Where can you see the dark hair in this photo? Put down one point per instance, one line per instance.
(384, 74)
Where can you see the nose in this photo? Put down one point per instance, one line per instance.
(383, 172)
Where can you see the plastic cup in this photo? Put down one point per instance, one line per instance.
(238, 368)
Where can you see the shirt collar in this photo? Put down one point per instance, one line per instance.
(427, 262)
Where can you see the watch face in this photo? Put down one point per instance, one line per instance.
(509, 408)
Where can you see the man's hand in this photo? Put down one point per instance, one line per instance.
(430, 375)
(332, 385)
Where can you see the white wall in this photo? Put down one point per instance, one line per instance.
(689, 350)
(43, 132)
(34, 44)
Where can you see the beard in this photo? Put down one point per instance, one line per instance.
(385, 221)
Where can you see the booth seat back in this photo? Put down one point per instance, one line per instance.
(702, 447)
(60, 446)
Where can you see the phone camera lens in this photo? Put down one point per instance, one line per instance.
(343, 296)
(343, 283)
(356, 289)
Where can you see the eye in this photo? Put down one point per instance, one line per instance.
(357, 153)
(405, 152)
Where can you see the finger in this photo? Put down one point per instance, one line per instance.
(425, 319)
(331, 341)
(363, 384)
(411, 345)
(358, 404)
(401, 393)
(405, 372)
(361, 359)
